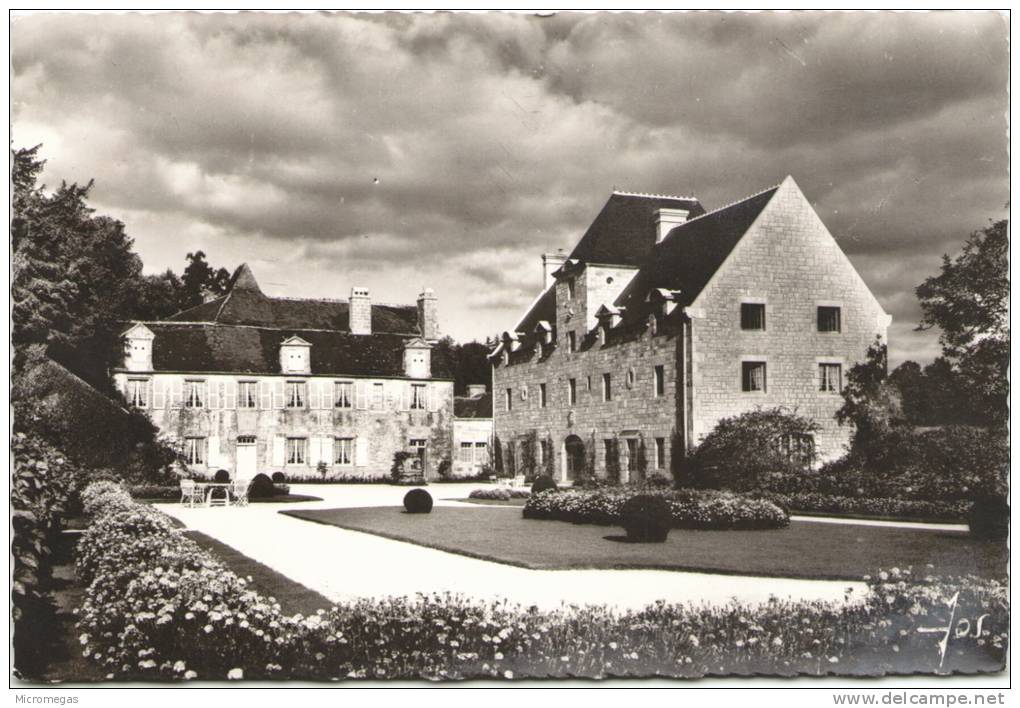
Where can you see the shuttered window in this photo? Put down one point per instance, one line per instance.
(138, 393)
(248, 394)
(194, 394)
(343, 451)
(343, 394)
(297, 451)
(195, 451)
(296, 395)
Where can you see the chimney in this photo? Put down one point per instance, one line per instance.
(475, 390)
(428, 315)
(667, 219)
(551, 262)
(360, 311)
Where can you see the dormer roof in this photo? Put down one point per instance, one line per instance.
(138, 331)
(295, 341)
(417, 343)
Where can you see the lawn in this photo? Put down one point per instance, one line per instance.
(803, 550)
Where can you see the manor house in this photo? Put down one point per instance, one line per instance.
(665, 318)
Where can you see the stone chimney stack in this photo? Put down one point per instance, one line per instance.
(428, 315)
(667, 220)
(360, 311)
(476, 390)
(551, 262)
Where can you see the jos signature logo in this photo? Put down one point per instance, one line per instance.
(955, 628)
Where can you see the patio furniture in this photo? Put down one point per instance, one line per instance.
(214, 499)
(239, 492)
(190, 492)
(518, 481)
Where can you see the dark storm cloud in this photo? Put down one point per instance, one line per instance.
(452, 149)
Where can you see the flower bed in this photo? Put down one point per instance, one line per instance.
(158, 607)
(691, 509)
(813, 502)
(156, 492)
(500, 494)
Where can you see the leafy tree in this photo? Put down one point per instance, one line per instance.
(201, 279)
(968, 301)
(158, 296)
(470, 363)
(870, 402)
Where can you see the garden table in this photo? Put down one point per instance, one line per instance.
(206, 489)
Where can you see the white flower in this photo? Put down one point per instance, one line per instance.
(189, 674)
(508, 674)
(235, 674)
(179, 666)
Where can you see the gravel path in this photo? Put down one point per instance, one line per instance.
(344, 565)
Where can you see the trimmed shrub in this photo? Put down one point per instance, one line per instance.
(813, 502)
(543, 484)
(646, 518)
(418, 501)
(222, 476)
(499, 494)
(279, 477)
(989, 518)
(261, 487)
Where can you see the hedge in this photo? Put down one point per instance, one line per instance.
(500, 493)
(813, 502)
(157, 607)
(691, 509)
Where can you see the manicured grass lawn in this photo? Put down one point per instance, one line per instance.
(293, 597)
(803, 550)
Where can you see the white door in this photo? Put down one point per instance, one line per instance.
(246, 458)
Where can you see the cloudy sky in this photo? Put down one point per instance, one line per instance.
(400, 151)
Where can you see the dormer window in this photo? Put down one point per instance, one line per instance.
(138, 348)
(295, 356)
(418, 359)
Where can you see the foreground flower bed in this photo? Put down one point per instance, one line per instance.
(500, 494)
(158, 607)
(691, 509)
(814, 502)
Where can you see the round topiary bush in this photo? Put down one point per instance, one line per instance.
(989, 518)
(221, 476)
(261, 487)
(279, 477)
(646, 518)
(543, 484)
(418, 501)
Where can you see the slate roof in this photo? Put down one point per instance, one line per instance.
(242, 331)
(246, 304)
(473, 407)
(256, 350)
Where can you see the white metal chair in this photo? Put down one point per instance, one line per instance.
(188, 491)
(239, 492)
(518, 481)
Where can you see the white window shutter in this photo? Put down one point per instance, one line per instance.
(315, 394)
(177, 393)
(278, 393)
(327, 450)
(361, 458)
(265, 395)
(159, 394)
(314, 452)
(432, 396)
(214, 395)
(230, 395)
(279, 450)
(213, 457)
(360, 394)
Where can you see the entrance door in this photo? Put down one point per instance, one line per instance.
(247, 460)
(574, 448)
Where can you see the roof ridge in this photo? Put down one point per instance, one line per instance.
(656, 196)
(333, 299)
(175, 323)
(726, 206)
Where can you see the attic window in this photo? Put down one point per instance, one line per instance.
(752, 316)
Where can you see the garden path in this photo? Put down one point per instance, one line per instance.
(345, 565)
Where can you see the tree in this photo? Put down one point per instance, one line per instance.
(968, 301)
(201, 279)
(469, 361)
(870, 402)
(158, 296)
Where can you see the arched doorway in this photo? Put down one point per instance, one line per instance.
(573, 448)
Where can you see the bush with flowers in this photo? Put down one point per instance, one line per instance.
(158, 607)
(500, 493)
(691, 509)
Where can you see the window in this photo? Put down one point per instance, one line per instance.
(343, 394)
(543, 401)
(660, 381)
(570, 289)
(297, 451)
(828, 319)
(830, 378)
(660, 453)
(588, 388)
(418, 397)
(571, 342)
(245, 439)
(631, 378)
(508, 402)
(607, 387)
(796, 447)
(343, 451)
(194, 451)
(418, 445)
(481, 453)
(194, 394)
(467, 452)
(138, 393)
(377, 396)
(247, 394)
(752, 315)
(752, 375)
(295, 394)
(632, 454)
(572, 391)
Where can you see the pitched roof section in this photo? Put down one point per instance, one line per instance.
(246, 304)
(256, 350)
(473, 407)
(625, 231)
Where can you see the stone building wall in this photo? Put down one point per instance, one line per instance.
(471, 431)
